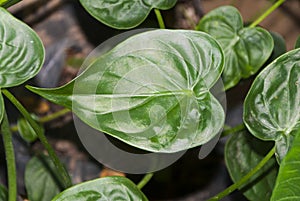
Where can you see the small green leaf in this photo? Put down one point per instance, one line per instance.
(288, 181)
(242, 153)
(297, 45)
(272, 106)
(108, 188)
(21, 51)
(154, 95)
(26, 131)
(245, 49)
(3, 193)
(41, 179)
(8, 3)
(1, 106)
(124, 14)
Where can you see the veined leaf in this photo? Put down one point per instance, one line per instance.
(124, 14)
(272, 106)
(3, 193)
(21, 51)
(41, 179)
(242, 153)
(288, 181)
(246, 49)
(112, 188)
(153, 95)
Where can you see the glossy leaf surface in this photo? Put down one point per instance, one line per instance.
(41, 179)
(246, 49)
(21, 51)
(108, 188)
(153, 95)
(124, 14)
(242, 153)
(26, 131)
(288, 181)
(272, 106)
(3, 193)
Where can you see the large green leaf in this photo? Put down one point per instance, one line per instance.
(246, 49)
(41, 179)
(272, 106)
(242, 153)
(108, 188)
(124, 14)
(21, 51)
(1, 106)
(153, 95)
(3, 193)
(288, 181)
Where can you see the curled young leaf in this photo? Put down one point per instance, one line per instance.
(114, 188)
(288, 180)
(272, 106)
(242, 153)
(26, 131)
(124, 14)
(21, 51)
(153, 95)
(246, 49)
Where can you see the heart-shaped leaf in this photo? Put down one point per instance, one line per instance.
(288, 180)
(245, 49)
(272, 106)
(124, 14)
(153, 95)
(41, 179)
(242, 153)
(21, 51)
(112, 188)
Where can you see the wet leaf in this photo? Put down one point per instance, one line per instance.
(21, 51)
(124, 14)
(154, 95)
(272, 106)
(246, 49)
(114, 188)
(242, 153)
(288, 181)
(41, 179)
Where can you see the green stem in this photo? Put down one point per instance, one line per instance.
(10, 3)
(145, 180)
(159, 19)
(60, 168)
(243, 180)
(47, 118)
(10, 159)
(235, 129)
(267, 13)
